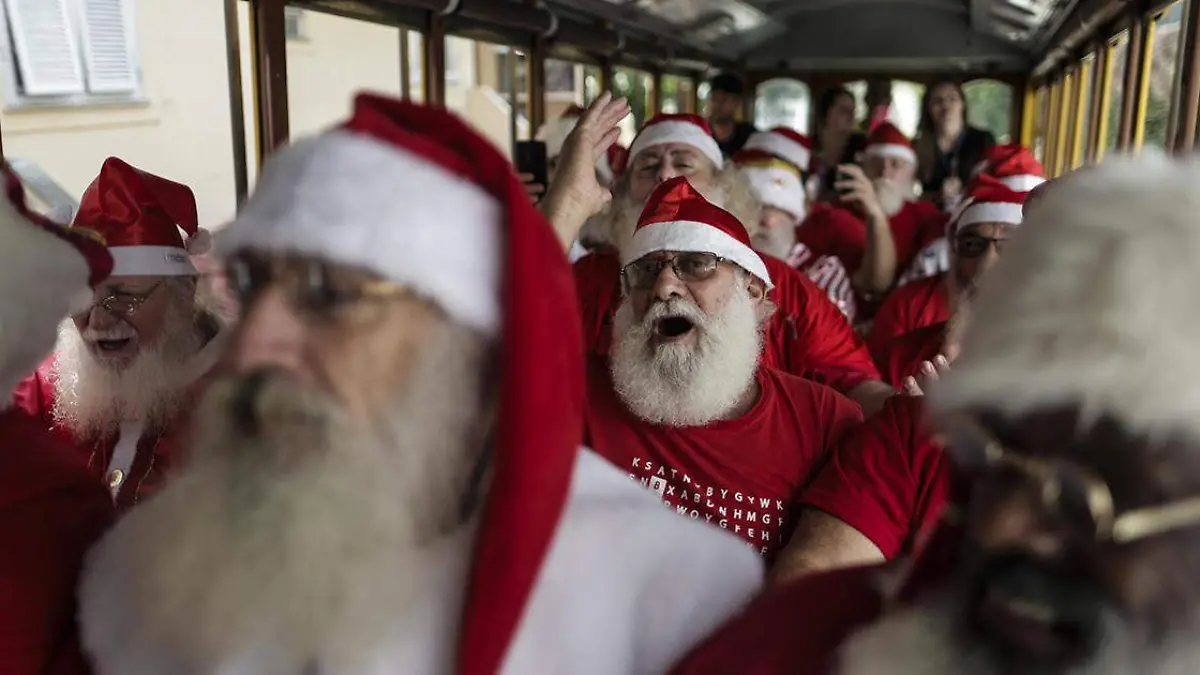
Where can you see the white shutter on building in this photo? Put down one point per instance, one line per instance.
(44, 44)
(108, 48)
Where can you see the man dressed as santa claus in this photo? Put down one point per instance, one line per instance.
(1070, 421)
(807, 336)
(683, 403)
(388, 478)
(925, 294)
(877, 228)
(51, 508)
(127, 367)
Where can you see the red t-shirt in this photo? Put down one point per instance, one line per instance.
(742, 475)
(903, 356)
(914, 305)
(808, 335)
(888, 479)
(51, 512)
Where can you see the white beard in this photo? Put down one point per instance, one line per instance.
(892, 196)
(680, 384)
(92, 399)
(930, 640)
(309, 537)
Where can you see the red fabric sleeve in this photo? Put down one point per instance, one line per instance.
(890, 321)
(30, 396)
(598, 289)
(820, 344)
(796, 629)
(884, 478)
(45, 538)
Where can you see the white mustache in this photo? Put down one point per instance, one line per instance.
(121, 333)
(675, 307)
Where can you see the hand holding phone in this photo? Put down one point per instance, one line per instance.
(531, 159)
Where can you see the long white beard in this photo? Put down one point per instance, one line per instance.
(891, 195)
(93, 399)
(931, 640)
(309, 538)
(680, 384)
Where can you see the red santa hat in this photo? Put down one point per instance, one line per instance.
(612, 164)
(1093, 304)
(690, 130)
(989, 201)
(416, 195)
(139, 217)
(678, 218)
(888, 141)
(776, 182)
(785, 143)
(1012, 164)
(87, 245)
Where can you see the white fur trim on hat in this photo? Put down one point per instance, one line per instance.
(354, 200)
(675, 131)
(165, 261)
(893, 150)
(1022, 183)
(778, 187)
(1093, 303)
(781, 147)
(683, 235)
(989, 212)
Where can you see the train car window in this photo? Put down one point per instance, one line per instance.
(638, 87)
(990, 104)
(1083, 118)
(336, 58)
(782, 102)
(676, 94)
(1163, 51)
(1118, 51)
(569, 83)
(702, 91)
(414, 64)
(177, 126)
(1041, 110)
(486, 86)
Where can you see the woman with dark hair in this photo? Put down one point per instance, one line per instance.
(838, 141)
(947, 147)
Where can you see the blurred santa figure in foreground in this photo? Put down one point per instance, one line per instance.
(51, 508)
(388, 476)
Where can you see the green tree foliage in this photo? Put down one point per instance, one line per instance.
(990, 106)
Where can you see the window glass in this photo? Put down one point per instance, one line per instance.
(1164, 61)
(782, 102)
(483, 80)
(989, 105)
(1119, 55)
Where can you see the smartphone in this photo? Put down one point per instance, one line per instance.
(843, 176)
(531, 159)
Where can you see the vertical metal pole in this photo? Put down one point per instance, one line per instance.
(435, 60)
(237, 108)
(405, 80)
(1132, 75)
(270, 67)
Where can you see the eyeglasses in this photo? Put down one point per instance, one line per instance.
(311, 286)
(1069, 490)
(124, 304)
(971, 245)
(641, 274)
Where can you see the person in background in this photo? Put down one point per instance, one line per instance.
(948, 148)
(127, 368)
(838, 141)
(922, 297)
(807, 336)
(52, 509)
(879, 103)
(727, 93)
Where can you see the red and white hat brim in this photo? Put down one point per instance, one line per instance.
(158, 261)
(779, 188)
(693, 237)
(341, 196)
(1022, 183)
(989, 212)
(674, 131)
(780, 146)
(893, 151)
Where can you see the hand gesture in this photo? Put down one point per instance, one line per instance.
(586, 144)
(856, 190)
(930, 371)
(532, 188)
